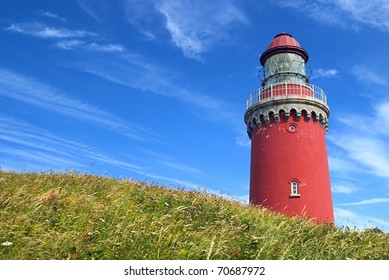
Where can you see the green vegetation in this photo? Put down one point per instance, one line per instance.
(73, 216)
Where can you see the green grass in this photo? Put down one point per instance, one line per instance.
(74, 216)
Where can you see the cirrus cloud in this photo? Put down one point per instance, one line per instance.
(37, 29)
(188, 23)
(344, 13)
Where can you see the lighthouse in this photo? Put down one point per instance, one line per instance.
(287, 120)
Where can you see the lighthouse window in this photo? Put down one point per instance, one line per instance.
(294, 187)
(292, 127)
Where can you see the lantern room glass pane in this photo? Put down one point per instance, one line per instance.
(284, 68)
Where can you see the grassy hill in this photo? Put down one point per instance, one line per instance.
(73, 216)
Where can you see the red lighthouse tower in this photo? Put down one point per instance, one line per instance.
(287, 121)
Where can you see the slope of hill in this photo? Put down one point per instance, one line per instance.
(73, 216)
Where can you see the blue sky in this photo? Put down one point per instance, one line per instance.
(156, 90)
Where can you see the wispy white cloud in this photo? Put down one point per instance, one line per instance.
(35, 159)
(174, 182)
(84, 45)
(132, 70)
(136, 71)
(70, 44)
(89, 7)
(189, 23)
(105, 47)
(245, 199)
(28, 90)
(340, 165)
(179, 183)
(325, 73)
(40, 30)
(343, 13)
(360, 165)
(345, 188)
(371, 154)
(381, 118)
(68, 39)
(51, 15)
(367, 201)
(191, 27)
(191, 47)
(349, 120)
(363, 139)
(148, 35)
(351, 219)
(362, 145)
(27, 146)
(179, 166)
(243, 141)
(368, 76)
(374, 12)
(170, 162)
(375, 125)
(142, 14)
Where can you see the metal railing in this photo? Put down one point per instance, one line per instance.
(286, 89)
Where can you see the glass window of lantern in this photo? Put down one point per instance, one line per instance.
(284, 63)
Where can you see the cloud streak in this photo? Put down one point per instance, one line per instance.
(382, 118)
(51, 15)
(339, 165)
(128, 69)
(368, 76)
(67, 39)
(343, 188)
(365, 144)
(89, 7)
(28, 90)
(137, 72)
(325, 73)
(367, 201)
(41, 149)
(87, 46)
(192, 29)
(344, 13)
(189, 23)
(352, 219)
(179, 166)
(360, 142)
(40, 30)
(143, 15)
(171, 163)
(243, 141)
(374, 159)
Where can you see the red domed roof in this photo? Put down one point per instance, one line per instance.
(282, 40)
(283, 43)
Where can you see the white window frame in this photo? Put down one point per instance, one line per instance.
(294, 188)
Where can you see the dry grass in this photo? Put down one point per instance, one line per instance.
(74, 216)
